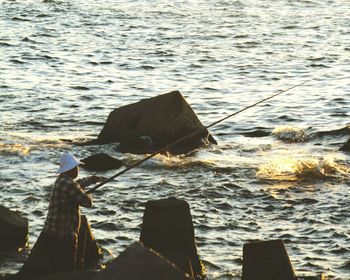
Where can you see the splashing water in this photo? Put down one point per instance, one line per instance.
(17, 144)
(289, 133)
(14, 149)
(183, 162)
(291, 168)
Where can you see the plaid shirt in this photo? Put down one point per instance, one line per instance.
(63, 218)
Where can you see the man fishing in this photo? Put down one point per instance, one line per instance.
(55, 250)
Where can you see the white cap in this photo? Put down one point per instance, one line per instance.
(67, 162)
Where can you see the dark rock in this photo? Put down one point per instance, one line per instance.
(141, 145)
(74, 275)
(257, 133)
(14, 229)
(167, 227)
(182, 261)
(346, 146)
(138, 262)
(337, 132)
(135, 263)
(266, 260)
(164, 119)
(7, 276)
(101, 162)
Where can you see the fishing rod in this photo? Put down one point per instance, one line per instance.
(198, 131)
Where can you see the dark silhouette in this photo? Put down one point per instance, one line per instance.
(167, 227)
(266, 260)
(14, 229)
(346, 146)
(101, 162)
(56, 248)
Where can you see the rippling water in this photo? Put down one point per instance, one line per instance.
(276, 172)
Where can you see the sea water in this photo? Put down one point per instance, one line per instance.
(276, 173)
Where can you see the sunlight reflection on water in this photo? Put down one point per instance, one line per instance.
(66, 65)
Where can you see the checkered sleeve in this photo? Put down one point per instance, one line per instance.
(79, 195)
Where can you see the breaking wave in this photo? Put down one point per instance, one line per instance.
(290, 134)
(292, 169)
(22, 147)
(14, 149)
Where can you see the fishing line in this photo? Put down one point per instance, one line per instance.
(166, 148)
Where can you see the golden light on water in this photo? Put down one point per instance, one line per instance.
(17, 149)
(180, 161)
(22, 145)
(291, 168)
(279, 168)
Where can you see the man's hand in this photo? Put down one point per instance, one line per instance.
(96, 179)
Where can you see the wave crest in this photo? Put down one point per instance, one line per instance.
(14, 149)
(289, 133)
(289, 168)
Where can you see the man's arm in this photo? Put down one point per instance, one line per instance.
(78, 194)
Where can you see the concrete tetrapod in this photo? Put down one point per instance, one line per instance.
(266, 260)
(136, 262)
(140, 263)
(167, 227)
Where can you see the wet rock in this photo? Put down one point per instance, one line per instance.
(14, 229)
(138, 262)
(101, 162)
(140, 145)
(257, 133)
(167, 227)
(164, 119)
(346, 146)
(289, 134)
(266, 260)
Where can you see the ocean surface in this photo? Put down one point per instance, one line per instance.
(276, 173)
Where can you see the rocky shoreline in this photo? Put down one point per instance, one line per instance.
(167, 250)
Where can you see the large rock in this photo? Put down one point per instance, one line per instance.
(346, 146)
(13, 229)
(154, 123)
